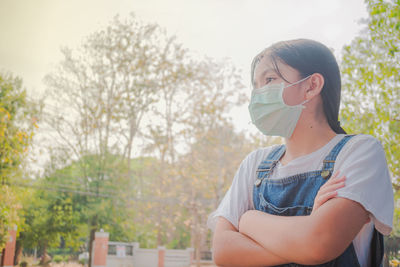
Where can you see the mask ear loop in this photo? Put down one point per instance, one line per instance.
(302, 103)
(299, 81)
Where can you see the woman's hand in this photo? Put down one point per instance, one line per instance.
(328, 190)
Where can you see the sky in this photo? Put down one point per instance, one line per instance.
(32, 32)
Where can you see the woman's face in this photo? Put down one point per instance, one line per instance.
(265, 74)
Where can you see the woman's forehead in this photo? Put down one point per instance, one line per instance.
(263, 66)
(276, 66)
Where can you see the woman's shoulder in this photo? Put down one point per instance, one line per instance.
(365, 138)
(363, 142)
(362, 145)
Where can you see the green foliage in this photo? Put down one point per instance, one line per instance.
(17, 121)
(48, 216)
(52, 214)
(371, 82)
(9, 207)
(58, 258)
(83, 262)
(15, 135)
(396, 217)
(370, 68)
(64, 203)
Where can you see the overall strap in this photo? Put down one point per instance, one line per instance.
(277, 153)
(329, 161)
(270, 161)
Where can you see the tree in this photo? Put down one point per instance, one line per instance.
(101, 93)
(17, 121)
(173, 77)
(370, 67)
(48, 217)
(191, 91)
(61, 205)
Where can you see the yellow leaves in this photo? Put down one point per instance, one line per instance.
(22, 136)
(394, 263)
(3, 112)
(7, 160)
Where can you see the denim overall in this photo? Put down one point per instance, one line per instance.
(294, 196)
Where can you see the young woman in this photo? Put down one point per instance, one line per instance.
(324, 198)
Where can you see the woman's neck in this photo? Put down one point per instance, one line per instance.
(306, 139)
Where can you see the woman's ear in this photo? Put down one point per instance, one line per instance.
(315, 85)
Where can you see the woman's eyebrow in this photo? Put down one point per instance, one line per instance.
(266, 71)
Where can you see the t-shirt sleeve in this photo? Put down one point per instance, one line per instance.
(238, 198)
(368, 181)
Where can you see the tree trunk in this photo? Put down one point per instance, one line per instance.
(159, 227)
(2, 257)
(91, 239)
(18, 252)
(45, 260)
(198, 249)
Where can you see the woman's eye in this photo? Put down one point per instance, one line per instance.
(269, 79)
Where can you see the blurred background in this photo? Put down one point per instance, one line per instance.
(131, 117)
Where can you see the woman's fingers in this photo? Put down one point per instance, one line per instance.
(333, 186)
(329, 190)
(334, 179)
(325, 197)
(336, 174)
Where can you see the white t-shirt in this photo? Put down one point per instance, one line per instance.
(362, 160)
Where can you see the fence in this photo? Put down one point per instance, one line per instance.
(119, 254)
(130, 255)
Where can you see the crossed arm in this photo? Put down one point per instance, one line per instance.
(266, 240)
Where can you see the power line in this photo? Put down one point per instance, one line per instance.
(167, 200)
(61, 189)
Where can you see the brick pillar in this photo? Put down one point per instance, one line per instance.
(161, 256)
(100, 249)
(9, 251)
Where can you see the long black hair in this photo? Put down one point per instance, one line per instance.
(308, 57)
